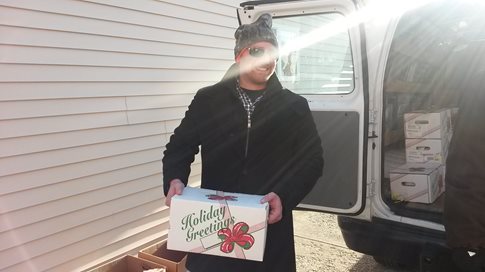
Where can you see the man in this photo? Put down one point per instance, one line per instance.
(464, 217)
(256, 138)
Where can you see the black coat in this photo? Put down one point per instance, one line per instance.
(284, 156)
(465, 172)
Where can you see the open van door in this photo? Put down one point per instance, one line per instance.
(322, 57)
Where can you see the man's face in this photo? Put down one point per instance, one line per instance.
(257, 63)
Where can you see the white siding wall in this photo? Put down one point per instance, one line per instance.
(90, 91)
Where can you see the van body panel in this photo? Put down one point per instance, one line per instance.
(412, 246)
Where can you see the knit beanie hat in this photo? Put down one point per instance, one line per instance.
(258, 31)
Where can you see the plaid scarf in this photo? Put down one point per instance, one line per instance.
(248, 105)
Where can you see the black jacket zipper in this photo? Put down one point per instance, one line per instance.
(247, 136)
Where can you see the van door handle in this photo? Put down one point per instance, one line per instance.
(374, 135)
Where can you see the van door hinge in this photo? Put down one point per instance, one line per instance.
(371, 188)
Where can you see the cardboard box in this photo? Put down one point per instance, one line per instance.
(424, 150)
(417, 182)
(129, 264)
(158, 253)
(217, 223)
(428, 125)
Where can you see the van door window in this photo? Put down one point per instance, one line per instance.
(310, 62)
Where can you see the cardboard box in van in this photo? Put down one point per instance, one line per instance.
(425, 150)
(428, 125)
(417, 182)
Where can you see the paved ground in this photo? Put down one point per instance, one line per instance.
(320, 247)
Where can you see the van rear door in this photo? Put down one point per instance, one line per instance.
(321, 58)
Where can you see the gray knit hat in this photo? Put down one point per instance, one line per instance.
(258, 31)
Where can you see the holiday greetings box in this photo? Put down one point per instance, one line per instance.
(218, 223)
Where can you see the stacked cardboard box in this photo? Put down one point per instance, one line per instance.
(417, 182)
(428, 135)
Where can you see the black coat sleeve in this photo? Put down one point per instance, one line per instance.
(306, 165)
(182, 147)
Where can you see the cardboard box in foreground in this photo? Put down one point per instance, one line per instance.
(158, 253)
(129, 264)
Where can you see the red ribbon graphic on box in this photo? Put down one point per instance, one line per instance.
(238, 235)
(219, 197)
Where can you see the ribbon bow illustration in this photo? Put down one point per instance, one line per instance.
(238, 235)
(218, 197)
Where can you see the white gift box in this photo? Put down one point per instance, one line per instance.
(218, 223)
(417, 182)
(429, 125)
(424, 150)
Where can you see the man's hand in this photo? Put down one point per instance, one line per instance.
(176, 188)
(275, 207)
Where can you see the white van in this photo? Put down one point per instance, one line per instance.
(368, 70)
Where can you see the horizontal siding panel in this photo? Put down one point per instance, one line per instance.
(83, 231)
(195, 170)
(24, 199)
(44, 177)
(38, 230)
(157, 102)
(198, 159)
(109, 13)
(155, 115)
(194, 181)
(43, 73)
(59, 56)
(44, 125)
(170, 10)
(172, 125)
(42, 20)
(204, 6)
(90, 91)
(71, 204)
(41, 160)
(112, 250)
(41, 195)
(103, 255)
(22, 36)
(42, 108)
(76, 206)
(46, 260)
(59, 90)
(54, 141)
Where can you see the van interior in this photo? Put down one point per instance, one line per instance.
(426, 71)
